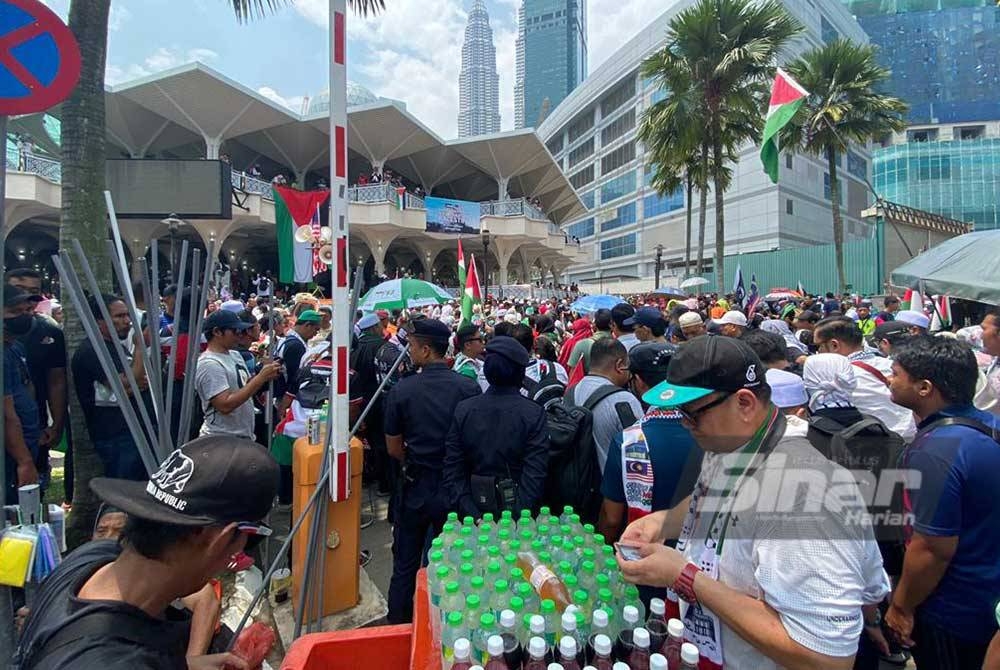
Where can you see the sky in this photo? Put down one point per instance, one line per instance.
(410, 52)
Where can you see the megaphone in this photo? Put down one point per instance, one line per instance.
(325, 234)
(303, 234)
(326, 254)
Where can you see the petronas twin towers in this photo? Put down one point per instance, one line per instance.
(478, 84)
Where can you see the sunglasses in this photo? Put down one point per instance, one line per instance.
(255, 532)
(692, 416)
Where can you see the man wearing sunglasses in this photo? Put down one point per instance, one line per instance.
(775, 560)
(108, 604)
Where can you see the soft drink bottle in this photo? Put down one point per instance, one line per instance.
(632, 598)
(500, 599)
(537, 652)
(656, 624)
(487, 629)
(658, 662)
(462, 655)
(450, 634)
(441, 577)
(525, 522)
(512, 651)
(487, 526)
(630, 621)
(537, 628)
(567, 512)
(673, 605)
(598, 626)
(568, 628)
(601, 653)
(494, 654)
(472, 607)
(568, 651)
(545, 583)
(452, 600)
(552, 626)
(675, 640)
(639, 658)
(689, 657)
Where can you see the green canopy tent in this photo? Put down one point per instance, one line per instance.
(967, 267)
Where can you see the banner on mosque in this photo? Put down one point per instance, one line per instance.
(455, 217)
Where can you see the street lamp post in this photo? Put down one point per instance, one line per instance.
(659, 264)
(486, 262)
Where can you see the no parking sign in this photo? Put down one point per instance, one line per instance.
(39, 58)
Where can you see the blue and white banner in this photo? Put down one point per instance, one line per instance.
(456, 217)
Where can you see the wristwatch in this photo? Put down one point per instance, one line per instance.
(684, 586)
(877, 622)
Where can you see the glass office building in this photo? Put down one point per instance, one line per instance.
(554, 43)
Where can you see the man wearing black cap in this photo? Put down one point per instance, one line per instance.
(364, 362)
(497, 451)
(621, 313)
(660, 463)
(108, 605)
(649, 325)
(775, 573)
(469, 362)
(418, 414)
(22, 428)
(223, 383)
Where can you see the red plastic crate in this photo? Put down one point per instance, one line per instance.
(378, 648)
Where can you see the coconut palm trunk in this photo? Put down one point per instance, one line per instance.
(838, 220)
(689, 183)
(702, 210)
(719, 191)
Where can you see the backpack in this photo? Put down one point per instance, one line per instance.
(574, 474)
(866, 446)
(547, 390)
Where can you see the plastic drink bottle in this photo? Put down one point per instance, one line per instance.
(537, 651)
(567, 512)
(450, 633)
(601, 653)
(675, 640)
(529, 596)
(630, 621)
(619, 666)
(487, 525)
(542, 579)
(465, 573)
(598, 626)
(462, 655)
(487, 629)
(658, 662)
(500, 599)
(673, 605)
(455, 551)
(512, 651)
(494, 654)
(472, 606)
(525, 521)
(568, 650)
(656, 624)
(537, 628)
(437, 585)
(555, 666)
(689, 657)
(452, 600)
(544, 512)
(632, 598)
(639, 658)
(551, 621)
(587, 576)
(569, 629)
(477, 585)
(582, 601)
(503, 538)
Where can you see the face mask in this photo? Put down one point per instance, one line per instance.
(19, 325)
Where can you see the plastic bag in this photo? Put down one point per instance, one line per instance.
(253, 644)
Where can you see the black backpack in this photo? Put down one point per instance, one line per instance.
(547, 390)
(866, 446)
(574, 475)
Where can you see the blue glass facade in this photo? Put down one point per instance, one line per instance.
(617, 247)
(958, 179)
(624, 216)
(944, 55)
(555, 54)
(581, 229)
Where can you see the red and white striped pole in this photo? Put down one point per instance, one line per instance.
(340, 473)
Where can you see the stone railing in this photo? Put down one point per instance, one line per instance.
(252, 185)
(372, 193)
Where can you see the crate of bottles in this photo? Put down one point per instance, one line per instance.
(543, 593)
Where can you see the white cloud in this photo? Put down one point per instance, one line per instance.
(612, 23)
(161, 59)
(119, 17)
(293, 103)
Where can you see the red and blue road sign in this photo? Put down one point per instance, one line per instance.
(39, 58)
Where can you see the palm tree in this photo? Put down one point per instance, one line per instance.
(83, 213)
(844, 105)
(729, 48)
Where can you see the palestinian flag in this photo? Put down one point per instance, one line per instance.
(466, 304)
(786, 98)
(912, 300)
(941, 318)
(293, 209)
(473, 293)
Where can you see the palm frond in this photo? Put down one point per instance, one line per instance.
(249, 10)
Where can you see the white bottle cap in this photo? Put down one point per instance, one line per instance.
(675, 628)
(568, 621)
(567, 646)
(555, 666)
(602, 645)
(657, 662)
(630, 614)
(537, 647)
(640, 638)
(589, 667)
(476, 667)
(494, 645)
(462, 648)
(508, 619)
(689, 653)
(537, 624)
(600, 618)
(620, 666)
(657, 606)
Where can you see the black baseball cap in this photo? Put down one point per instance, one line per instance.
(645, 316)
(13, 296)
(888, 329)
(430, 329)
(223, 319)
(705, 365)
(650, 357)
(211, 480)
(510, 349)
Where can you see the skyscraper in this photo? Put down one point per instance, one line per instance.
(478, 84)
(553, 40)
(519, 70)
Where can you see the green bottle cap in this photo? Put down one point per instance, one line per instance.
(468, 521)
(580, 597)
(517, 574)
(472, 601)
(588, 528)
(504, 535)
(568, 510)
(598, 539)
(477, 583)
(605, 596)
(548, 606)
(437, 556)
(545, 511)
(517, 604)
(574, 519)
(543, 530)
(438, 542)
(587, 566)
(570, 581)
(545, 557)
(466, 569)
(487, 620)
(488, 517)
(506, 523)
(466, 532)
(459, 545)
(484, 540)
(443, 571)
(581, 620)
(524, 590)
(493, 552)
(451, 588)
(579, 541)
(608, 551)
(510, 560)
(493, 567)
(506, 515)
(525, 535)
(588, 554)
(567, 545)
(501, 585)
(552, 521)
(454, 618)
(566, 531)
(632, 591)
(452, 516)
(467, 556)
(537, 546)
(611, 564)
(602, 581)
(526, 514)
(515, 546)
(565, 567)
(555, 541)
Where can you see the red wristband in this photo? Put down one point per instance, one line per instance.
(684, 586)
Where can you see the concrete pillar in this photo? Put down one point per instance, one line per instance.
(502, 271)
(212, 147)
(503, 184)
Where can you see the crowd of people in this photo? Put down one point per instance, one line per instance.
(677, 426)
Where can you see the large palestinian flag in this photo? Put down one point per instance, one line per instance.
(786, 98)
(297, 261)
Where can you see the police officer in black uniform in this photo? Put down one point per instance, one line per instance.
(418, 413)
(497, 451)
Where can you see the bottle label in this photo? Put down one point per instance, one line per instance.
(539, 576)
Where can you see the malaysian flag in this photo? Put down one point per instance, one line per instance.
(753, 300)
(639, 471)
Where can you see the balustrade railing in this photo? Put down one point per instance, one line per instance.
(43, 167)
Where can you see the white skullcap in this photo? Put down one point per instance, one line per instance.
(787, 388)
(829, 380)
(913, 318)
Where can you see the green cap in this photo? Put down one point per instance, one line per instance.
(465, 532)
(567, 545)
(588, 528)
(506, 515)
(438, 542)
(517, 574)
(570, 581)
(437, 556)
(466, 569)
(472, 601)
(545, 557)
(588, 554)
(487, 620)
(537, 546)
(443, 571)
(579, 541)
(484, 539)
(552, 520)
(525, 535)
(566, 530)
(598, 539)
(515, 546)
(459, 545)
(452, 516)
(632, 591)
(309, 316)
(506, 523)
(524, 590)
(517, 603)
(605, 595)
(468, 521)
(574, 518)
(545, 511)
(548, 606)
(493, 552)
(567, 510)
(451, 587)
(510, 560)
(494, 566)
(580, 597)
(602, 580)
(477, 582)
(454, 618)
(608, 551)
(565, 567)
(610, 564)
(467, 556)
(500, 585)
(587, 566)
(543, 529)
(526, 514)
(488, 517)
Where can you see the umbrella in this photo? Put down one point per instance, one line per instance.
(589, 304)
(965, 267)
(403, 293)
(694, 282)
(783, 294)
(670, 292)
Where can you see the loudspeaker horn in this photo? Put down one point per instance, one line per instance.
(326, 254)
(325, 234)
(303, 234)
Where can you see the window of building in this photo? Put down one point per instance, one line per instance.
(926, 135)
(617, 187)
(581, 153)
(618, 127)
(827, 31)
(970, 132)
(788, 161)
(617, 247)
(581, 229)
(581, 126)
(655, 204)
(840, 188)
(555, 145)
(620, 157)
(618, 97)
(583, 177)
(624, 216)
(857, 165)
(789, 206)
(588, 199)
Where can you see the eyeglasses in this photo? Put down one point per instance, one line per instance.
(692, 416)
(255, 532)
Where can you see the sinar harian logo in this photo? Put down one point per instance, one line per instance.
(174, 473)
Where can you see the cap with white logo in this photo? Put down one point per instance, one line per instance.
(705, 365)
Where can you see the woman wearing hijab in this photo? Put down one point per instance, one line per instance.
(581, 331)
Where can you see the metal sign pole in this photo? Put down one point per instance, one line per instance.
(6, 605)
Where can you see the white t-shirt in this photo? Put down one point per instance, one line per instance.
(871, 396)
(815, 568)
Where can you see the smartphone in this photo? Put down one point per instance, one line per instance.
(628, 552)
